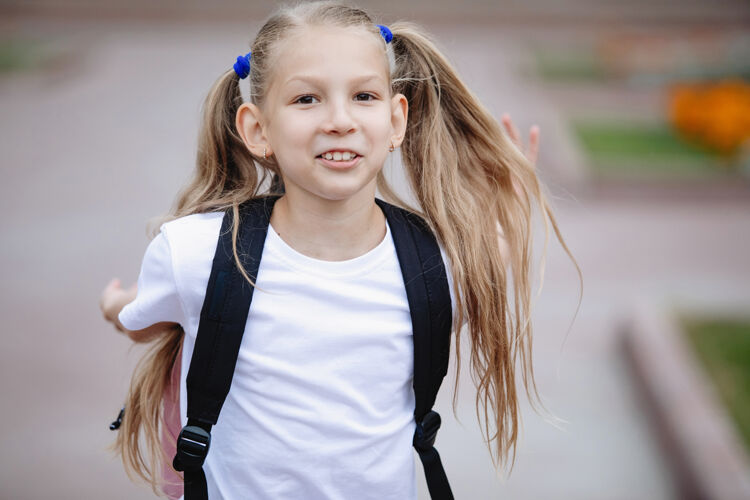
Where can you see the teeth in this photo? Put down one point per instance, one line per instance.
(339, 156)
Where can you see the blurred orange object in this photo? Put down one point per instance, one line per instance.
(714, 115)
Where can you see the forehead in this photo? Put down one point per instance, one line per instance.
(328, 50)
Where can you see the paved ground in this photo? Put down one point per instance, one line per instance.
(94, 148)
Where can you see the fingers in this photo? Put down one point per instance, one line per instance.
(116, 285)
(533, 151)
(110, 296)
(113, 284)
(515, 136)
(107, 293)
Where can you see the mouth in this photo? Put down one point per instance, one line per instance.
(339, 160)
(342, 156)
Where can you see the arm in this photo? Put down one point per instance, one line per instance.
(113, 299)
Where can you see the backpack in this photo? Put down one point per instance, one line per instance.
(224, 316)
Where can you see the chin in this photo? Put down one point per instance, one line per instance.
(340, 193)
(343, 190)
(337, 187)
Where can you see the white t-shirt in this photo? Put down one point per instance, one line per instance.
(321, 403)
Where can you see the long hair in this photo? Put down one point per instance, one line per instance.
(471, 183)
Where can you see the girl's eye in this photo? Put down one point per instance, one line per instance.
(364, 96)
(305, 99)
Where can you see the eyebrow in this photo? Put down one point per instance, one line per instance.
(318, 81)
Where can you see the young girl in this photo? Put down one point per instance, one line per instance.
(321, 403)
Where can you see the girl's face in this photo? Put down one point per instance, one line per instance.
(330, 95)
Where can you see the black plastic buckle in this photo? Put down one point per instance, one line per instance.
(426, 431)
(118, 421)
(192, 448)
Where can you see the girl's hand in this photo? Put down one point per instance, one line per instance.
(113, 299)
(533, 149)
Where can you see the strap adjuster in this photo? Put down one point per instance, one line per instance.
(192, 448)
(426, 431)
(118, 421)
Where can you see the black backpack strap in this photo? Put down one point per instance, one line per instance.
(430, 306)
(222, 324)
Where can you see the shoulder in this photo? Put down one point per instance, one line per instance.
(402, 214)
(192, 231)
(192, 225)
(180, 238)
(408, 225)
(419, 227)
(192, 239)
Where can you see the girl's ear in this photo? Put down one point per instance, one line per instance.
(399, 115)
(250, 127)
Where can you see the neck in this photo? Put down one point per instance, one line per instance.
(329, 230)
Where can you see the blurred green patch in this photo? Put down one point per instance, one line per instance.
(625, 149)
(22, 55)
(611, 59)
(572, 65)
(723, 346)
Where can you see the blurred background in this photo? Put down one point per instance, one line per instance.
(644, 109)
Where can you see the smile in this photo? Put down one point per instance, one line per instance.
(339, 155)
(340, 160)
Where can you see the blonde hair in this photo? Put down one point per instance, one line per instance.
(468, 178)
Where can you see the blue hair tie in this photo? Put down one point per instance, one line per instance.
(386, 33)
(242, 66)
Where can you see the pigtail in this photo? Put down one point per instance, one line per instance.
(226, 172)
(139, 437)
(472, 182)
(225, 176)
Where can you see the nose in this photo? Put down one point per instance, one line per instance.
(340, 119)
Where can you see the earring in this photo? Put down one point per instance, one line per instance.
(391, 148)
(264, 152)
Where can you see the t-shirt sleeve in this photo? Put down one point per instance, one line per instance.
(157, 299)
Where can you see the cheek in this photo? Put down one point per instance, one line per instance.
(292, 138)
(382, 125)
